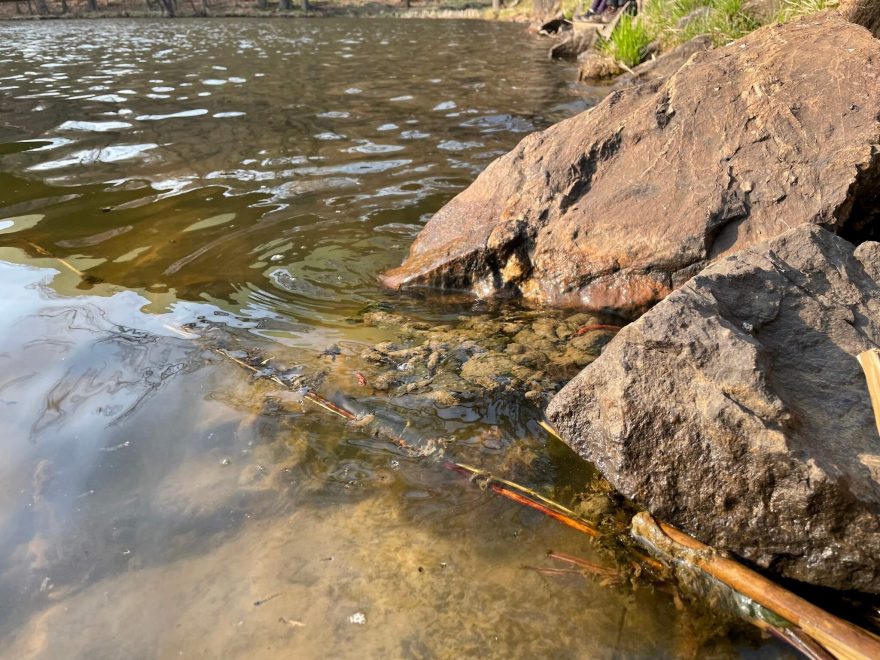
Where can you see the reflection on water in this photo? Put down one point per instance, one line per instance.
(252, 177)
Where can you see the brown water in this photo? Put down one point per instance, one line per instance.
(254, 176)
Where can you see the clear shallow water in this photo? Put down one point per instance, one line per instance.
(157, 502)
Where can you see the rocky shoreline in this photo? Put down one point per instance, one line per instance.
(743, 191)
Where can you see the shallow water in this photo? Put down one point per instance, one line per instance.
(251, 178)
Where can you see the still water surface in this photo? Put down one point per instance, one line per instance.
(254, 176)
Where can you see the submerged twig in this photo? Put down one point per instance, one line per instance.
(583, 564)
(597, 326)
(513, 491)
(549, 570)
(794, 637)
(842, 639)
(44, 252)
(262, 601)
(314, 397)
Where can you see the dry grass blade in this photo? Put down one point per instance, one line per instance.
(574, 523)
(545, 570)
(544, 425)
(870, 361)
(518, 487)
(44, 252)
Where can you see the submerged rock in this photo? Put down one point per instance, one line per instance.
(523, 355)
(614, 208)
(736, 409)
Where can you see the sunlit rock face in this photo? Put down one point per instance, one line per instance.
(736, 408)
(614, 208)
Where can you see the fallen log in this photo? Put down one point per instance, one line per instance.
(842, 639)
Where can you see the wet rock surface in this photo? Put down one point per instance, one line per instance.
(736, 409)
(614, 208)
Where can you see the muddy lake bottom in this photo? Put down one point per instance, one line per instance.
(168, 189)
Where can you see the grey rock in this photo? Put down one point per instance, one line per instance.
(763, 10)
(736, 410)
(697, 14)
(577, 42)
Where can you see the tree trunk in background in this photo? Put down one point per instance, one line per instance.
(284, 4)
(42, 7)
(862, 12)
(544, 8)
(93, 5)
(63, 6)
(407, 4)
(306, 6)
(168, 6)
(261, 4)
(496, 5)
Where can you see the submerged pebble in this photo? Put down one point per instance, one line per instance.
(521, 354)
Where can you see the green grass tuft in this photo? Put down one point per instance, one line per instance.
(628, 41)
(723, 20)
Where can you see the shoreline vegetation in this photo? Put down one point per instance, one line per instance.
(665, 24)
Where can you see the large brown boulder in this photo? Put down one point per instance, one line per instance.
(613, 208)
(736, 409)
